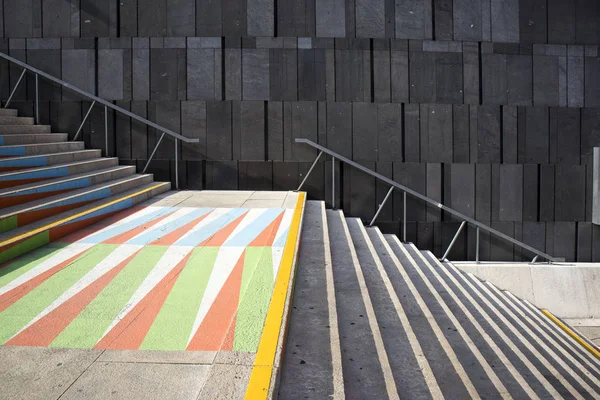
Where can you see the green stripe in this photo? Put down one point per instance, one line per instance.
(25, 247)
(91, 324)
(7, 224)
(26, 263)
(19, 314)
(173, 324)
(256, 290)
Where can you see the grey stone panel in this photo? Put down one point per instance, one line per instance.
(139, 131)
(60, 18)
(575, 77)
(532, 21)
(584, 242)
(99, 18)
(78, 69)
(255, 175)
(511, 190)
(459, 188)
(275, 131)
(218, 130)
(285, 175)
(235, 19)
(414, 19)
(152, 18)
(590, 132)
(222, 175)
(534, 135)
(167, 114)
(386, 169)
(364, 128)
(111, 73)
(570, 193)
(260, 15)
(255, 74)
(123, 132)
(460, 133)
(564, 240)
(350, 18)
(547, 193)
(471, 72)
(370, 18)
(167, 74)
(233, 74)
(252, 130)
(587, 29)
(311, 75)
(140, 69)
(505, 20)
(195, 175)
(300, 120)
(530, 192)
(362, 193)
(284, 74)
(545, 80)
(66, 116)
(422, 77)
(510, 135)
(448, 78)
(389, 132)
(193, 125)
(562, 22)
(434, 190)
(443, 16)
(436, 133)
(331, 18)
(47, 60)
(22, 18)
(298, 18)
(592, 81)
(399, 75)
(209, 17)
(500, 249)
(181, 18)
(494, 85)
(414, 176)
(412, 135)
(467, 20)
(565, 135)
(339, 128)
(382, 76)
(128, 19)
(519, 80)
(352, 75)
(488, 135)
(202, 72)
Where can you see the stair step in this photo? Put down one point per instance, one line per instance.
(20, 163)
(11, 140)
(24, 214)
(312, 363)
(8, 112)
(24, 193)
(22, 240)
(10, 120)
(17, 178)
(41, 148)
(20, 129)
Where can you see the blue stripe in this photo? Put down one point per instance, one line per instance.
(165, 229)
(117, 230)
(282, 239)
(1, 140)
(95, 195)
(46, 173)
(121, 205)
(249, 233)
(12, 151)
(27, 162)
(74, 184)
(197, 237)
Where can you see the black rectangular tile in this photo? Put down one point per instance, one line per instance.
(511, 192)
(436, 133)
(389, 132)
(219, 130)
(459, 188)
(570, 193)
(193, 125)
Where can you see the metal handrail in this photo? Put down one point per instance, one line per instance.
(406, 190)
(95, 99)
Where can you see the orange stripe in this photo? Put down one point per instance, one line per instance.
(12, 296)
(220, 237)
(229, 338)
(214, 328)
(47, 328)
(60, 231)
(130, 332)
(126, 236)
(111, 219)
(24, 198)
(32, 216)
(19, 182)
(267, 236)
(174, 236)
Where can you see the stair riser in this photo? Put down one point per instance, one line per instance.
(9, 120)
(8, 129)
(13, 140)
(32, 150)
(45, 211)
(7, 112)
(9, 164)
(62, 187)
(23, 178)
(13, 250)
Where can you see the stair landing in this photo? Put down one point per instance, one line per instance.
(176, 290)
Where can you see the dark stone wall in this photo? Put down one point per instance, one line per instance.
(489, 106)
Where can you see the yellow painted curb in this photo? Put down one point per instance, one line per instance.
(260, 378)
(570, 332)
(72, 217)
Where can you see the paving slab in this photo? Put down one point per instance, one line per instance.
(226, 382)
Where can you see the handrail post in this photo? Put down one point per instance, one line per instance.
(37, 99)
(84, 119)
(333, 183)
(15, 88)
(176, 166)
(389, 193)
(105, 131)
(462, 225)
(153, 152)
(404, 220)
(534, 260)
(477, 245)
(309, 171)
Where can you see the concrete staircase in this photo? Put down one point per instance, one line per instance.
(374, 318)
(50, 187)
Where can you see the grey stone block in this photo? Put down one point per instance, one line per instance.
(255, 74)
(331, 18)
(209, 17)
(511, 189)
(389, 131)
(364, 128)
(436, 133)
(261, 17)
(235, 19)
(193, 125)
(181, 18)
(505, 20)
(339, 128)
(413, 19)
(110, 74)
(592, 82)
(219, 130)
(284, 74)
(201, 73)
(370, 18)
(252, 124)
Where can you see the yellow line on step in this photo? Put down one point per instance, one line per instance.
(570, 332)
(260, 378)
(72, 217)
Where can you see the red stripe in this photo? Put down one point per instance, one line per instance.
(126, 236)
(222, 235)
(267, 236)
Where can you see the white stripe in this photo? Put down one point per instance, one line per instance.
(66, 253)
(130, 218)
(277, 255)
(168, 261)
(224, 264)
(111, 261)
(177, 214)
(286, 222)
(212, 217)
(252, 215)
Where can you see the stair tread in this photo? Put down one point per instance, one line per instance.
(54, 166)
(42, 144)
(26, 230)
(51, 154)
(21, 188)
